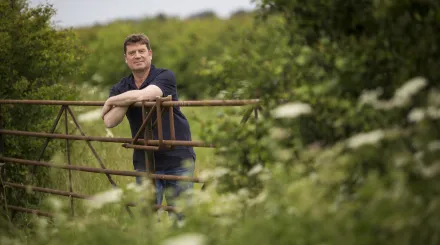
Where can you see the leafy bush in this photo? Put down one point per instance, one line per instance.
(326, 55)
(38, 58)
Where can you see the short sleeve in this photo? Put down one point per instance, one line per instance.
(166, 81)
(114, 91)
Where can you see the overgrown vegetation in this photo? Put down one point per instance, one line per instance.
(346, 146)
(36, 63)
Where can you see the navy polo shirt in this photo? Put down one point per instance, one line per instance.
(166, 158)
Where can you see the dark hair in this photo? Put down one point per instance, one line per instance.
(136, 38)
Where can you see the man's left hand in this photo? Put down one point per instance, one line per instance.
(105, 109)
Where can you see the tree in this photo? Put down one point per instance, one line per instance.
(37, 58)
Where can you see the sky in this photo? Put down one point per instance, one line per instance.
(75, 13)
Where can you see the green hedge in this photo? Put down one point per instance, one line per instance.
(37, 58)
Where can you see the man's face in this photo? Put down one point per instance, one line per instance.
(138, 57)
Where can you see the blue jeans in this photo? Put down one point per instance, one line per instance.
(172, 189)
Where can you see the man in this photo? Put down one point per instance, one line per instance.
(146, 82)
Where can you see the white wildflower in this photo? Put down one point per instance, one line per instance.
(265, 176)
(370, 96)
(109, 133)
(99, 200)
(430, 171)
(434, 97)
(181, 223)
(56, 230)
(292, 110)
(214, 173)
(225, 221)
(416, 115)
(365, 138)
(239, 92)
(279, 133)
(56, 204)
(90, 116)
(204, 196)
(258, 199)
(42, 223)
(434, 145)
(219, 171)
(283, 154)
(401, 97)
(222, 94)
(205, 174)
(401, 161)
(132, 186)
(225, 204)
(186, 239)
(418, 156)
(243, 193)
(139, 188)
(271, 209)
(255, 170)
(410, 88)
(433, 112)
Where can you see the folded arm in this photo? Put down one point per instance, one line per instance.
(115, 107)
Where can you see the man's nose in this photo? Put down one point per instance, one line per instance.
(137, 54)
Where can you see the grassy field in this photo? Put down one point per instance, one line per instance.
(113, 155)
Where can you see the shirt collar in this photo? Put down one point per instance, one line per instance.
(150, 78)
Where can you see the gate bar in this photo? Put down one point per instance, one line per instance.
(73, 194)
(66, 127)
(137, 104)
(144, 123)
(90, 146)
(105, 139)
(46, 143)
(99, 170)
(32, 211)
(47, 190)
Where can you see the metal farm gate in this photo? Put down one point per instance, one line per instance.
(143, 142)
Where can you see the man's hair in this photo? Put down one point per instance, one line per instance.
(136, 38)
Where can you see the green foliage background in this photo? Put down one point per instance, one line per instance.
(36, 63)
(180, 45)
(351, 158)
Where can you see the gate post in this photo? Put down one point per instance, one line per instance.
(148, 135)
(1, 135)
(2, 171)
(66, 125)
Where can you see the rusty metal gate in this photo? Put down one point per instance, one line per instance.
(143, 142)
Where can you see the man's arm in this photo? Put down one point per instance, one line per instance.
(132, 96)
(114, 115)
(115, 107)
